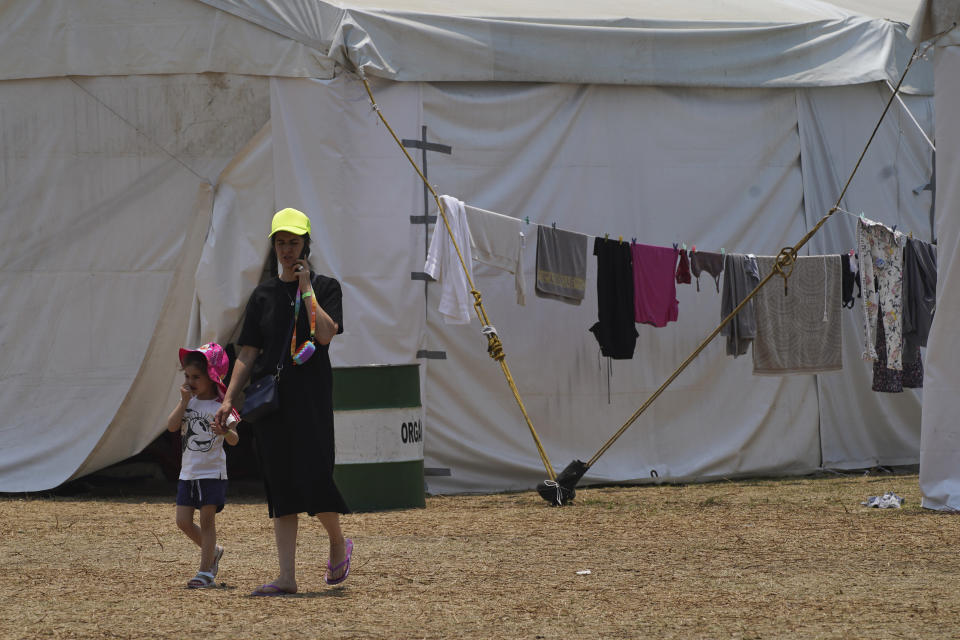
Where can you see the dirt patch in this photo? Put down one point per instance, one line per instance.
(795, 558)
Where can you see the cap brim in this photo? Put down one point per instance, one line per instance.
(297, 231)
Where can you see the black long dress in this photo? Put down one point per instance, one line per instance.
(295, 445)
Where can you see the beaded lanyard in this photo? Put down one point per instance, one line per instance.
(303, 353)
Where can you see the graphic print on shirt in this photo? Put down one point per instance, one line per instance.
(197, 434)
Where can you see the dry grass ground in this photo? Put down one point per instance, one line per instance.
(791, 558)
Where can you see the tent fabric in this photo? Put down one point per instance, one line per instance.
(860, 428)
(195, 120)
(647, 43)
(57, 38)
(568, 146)
(101, 204)
(936, 19)
(940, 433)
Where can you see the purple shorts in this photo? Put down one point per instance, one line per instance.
(197, 493)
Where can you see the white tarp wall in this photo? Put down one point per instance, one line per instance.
(936, 22)
(940, 442)
(106, 197)
(638, 162)
(113, 201)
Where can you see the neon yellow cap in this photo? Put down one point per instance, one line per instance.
(290, 220)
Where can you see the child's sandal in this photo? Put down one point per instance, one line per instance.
(217, 554)
(201, 581)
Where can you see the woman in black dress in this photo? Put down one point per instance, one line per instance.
(295, 444)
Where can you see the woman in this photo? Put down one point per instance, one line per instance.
(295, 444)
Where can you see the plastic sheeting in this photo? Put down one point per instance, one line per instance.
(940, 441)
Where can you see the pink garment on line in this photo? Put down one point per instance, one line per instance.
(654, 285)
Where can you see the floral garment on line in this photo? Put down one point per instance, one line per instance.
(881, 257)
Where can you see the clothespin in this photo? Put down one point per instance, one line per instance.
(684, 245)
(911, 235)
(633, 241)
(675, 245)
(693, 248)
(894, 228)
(553, 224)
(723, 251)
(850, 253)
(526, 219)
(606, 236)
(620, 240)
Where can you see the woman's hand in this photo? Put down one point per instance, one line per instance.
(220, 417)
(302, 270)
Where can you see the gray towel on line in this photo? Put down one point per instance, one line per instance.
(496, 240)
(740, 277)
(561, 265)
(799, 332)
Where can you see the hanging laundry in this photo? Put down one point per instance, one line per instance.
(800, 332)
(850, 275)
(683, 268)
(654, 285)
(892, 380)
(496, 240)
(919, 294)
(615, 330)
(740, 277)
(561, 265)
(712, 263)
(444, 265)
(881, 257)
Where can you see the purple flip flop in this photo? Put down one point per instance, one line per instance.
(332, 570)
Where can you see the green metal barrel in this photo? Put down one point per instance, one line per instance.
(378, 420)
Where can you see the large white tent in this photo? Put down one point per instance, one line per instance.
(145, 146)
(937, 24)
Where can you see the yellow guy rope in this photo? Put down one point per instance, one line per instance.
(494, 346)
(783, 267)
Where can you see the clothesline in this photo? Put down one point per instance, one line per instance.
(862, 214)
(606, 236)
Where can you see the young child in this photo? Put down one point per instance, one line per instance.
(203, 468)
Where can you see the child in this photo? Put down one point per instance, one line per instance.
(203, 469)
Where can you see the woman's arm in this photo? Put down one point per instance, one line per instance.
(241, 375)
(326, 326)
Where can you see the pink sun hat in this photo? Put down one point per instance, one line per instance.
(218, 364)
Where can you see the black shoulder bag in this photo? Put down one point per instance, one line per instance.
(262, 397)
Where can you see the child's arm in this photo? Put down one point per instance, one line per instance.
(228, 432)
(176, 416)
(231, 436)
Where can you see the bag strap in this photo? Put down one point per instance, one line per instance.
(293, 324)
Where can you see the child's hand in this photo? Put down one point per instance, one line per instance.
(219, 430)
(185, 393)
